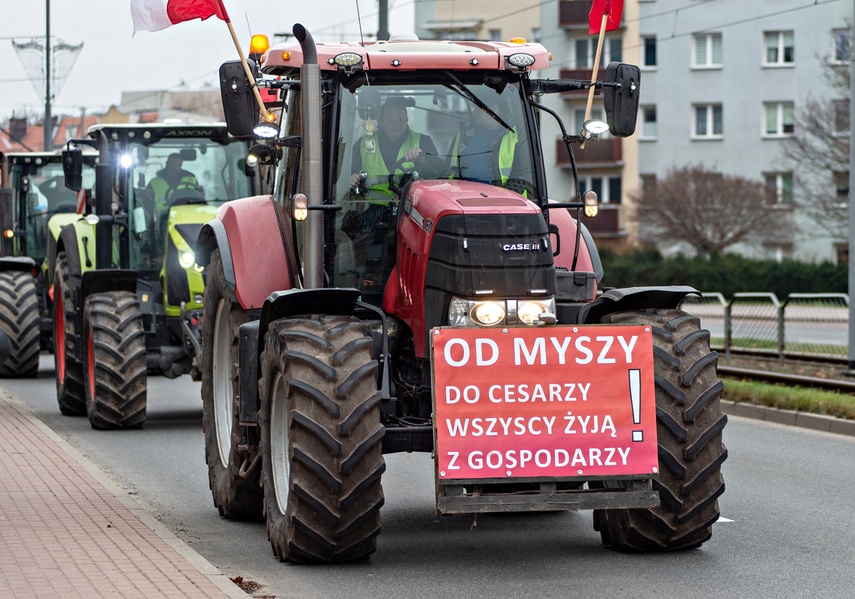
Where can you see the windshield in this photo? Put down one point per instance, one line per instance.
(472, 131)
(173, 172)
(45, 194)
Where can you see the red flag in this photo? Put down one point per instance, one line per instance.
(154, 15)
(612, 8)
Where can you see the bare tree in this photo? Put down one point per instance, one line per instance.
(819, 153)
(708, 210)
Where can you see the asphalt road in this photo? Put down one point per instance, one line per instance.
(787, 531)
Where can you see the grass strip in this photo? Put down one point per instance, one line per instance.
(800, 399)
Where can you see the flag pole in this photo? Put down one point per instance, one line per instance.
(591, 89)
(243, 61)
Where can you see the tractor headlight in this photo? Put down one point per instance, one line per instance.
(488, 313)
(186, 259)
(529, 312)
(463, 312)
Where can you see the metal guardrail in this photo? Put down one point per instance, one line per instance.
(804, 325)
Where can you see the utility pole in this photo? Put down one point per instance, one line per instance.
(852, 195)
(383, 30)
(48, 146)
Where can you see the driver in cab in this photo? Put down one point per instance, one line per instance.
(394, 149)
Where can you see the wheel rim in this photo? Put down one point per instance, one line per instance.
(221, 375)
(59, 335)
(90, 364)
(279, 442)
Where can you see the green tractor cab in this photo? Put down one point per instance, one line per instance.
(35, 206)
(129, 291)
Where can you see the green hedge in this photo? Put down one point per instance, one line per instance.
(727, 274)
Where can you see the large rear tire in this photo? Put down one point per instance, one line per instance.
(689, 429)
(68, 369)
(234, 481)
(115, 361)
(20, 320)
(321, 440)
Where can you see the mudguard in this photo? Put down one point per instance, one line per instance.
(21, 263)
(589, 257)
(633, 298)
(254, 264)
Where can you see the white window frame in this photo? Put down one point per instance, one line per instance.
(645, 111)
(841, 112)
(780, 108)
(605, 187)
(644, 64)
(780, 46)
(591, 52)
(835, 58)
(708, 39)
(710, 121)
(781, 183)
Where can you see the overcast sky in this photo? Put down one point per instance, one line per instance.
(114, 60)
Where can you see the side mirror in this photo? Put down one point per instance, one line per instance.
(621, 103)
(239, 103)
(72, 167)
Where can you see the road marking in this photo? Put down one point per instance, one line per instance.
(724, 520)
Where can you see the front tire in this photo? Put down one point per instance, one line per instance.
(20, 320)
(235, 495)
(68, 369)
(689, 430)
(321, 440)
(115, 360)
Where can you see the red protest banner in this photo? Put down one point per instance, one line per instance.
(612, 8)
(535, 402)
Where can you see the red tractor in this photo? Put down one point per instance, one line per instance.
(435, 308)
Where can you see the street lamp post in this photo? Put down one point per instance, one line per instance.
(48, 145)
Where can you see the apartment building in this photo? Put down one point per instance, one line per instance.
(722, 85)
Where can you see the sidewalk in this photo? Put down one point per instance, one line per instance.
(68, 531)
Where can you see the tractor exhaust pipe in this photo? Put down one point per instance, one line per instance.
(313, 167)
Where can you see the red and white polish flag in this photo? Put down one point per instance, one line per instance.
(154, 15)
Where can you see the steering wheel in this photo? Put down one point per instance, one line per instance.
(407, 174)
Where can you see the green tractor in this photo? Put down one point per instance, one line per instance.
(128, 294)
(35, 205)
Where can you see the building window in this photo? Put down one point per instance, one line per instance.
(648, 122)
(579, 118)
(608, 189)
(780, 48)
(535, 34)
(585, 49)
(778, 252)
(780, 186)
(707, 51)
(495, 35)
(841, 116)
(709, 122)
(779, 119)
(841, 186)
(648, 54)
(841, 45)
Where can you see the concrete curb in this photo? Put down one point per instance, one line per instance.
(206, 568)
(817, 422)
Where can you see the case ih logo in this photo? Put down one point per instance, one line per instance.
(521, 247)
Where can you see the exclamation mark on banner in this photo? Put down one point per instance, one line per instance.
(635, 401)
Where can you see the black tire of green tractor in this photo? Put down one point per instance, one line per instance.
(68, 369)
(114, 373)
(321, 440)
(689, 430)
(235, 496)
(20, 320)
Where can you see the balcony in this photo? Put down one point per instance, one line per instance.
(595, 154)
(583, 74)
(573, 14)
(606, 223)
